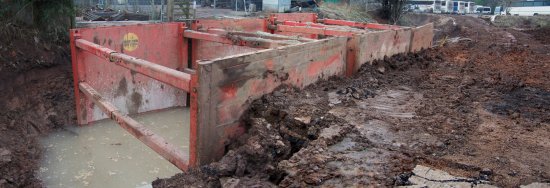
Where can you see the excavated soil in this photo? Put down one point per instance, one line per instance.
(540, 35)
(37, 97)
(476, 106)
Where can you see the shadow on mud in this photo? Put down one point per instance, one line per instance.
(527, 102)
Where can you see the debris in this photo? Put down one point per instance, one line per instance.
(229, 182)
(305, 119)
(5, 155)
(381, 69)
(532, 185)
(428, 177)
(333, 99)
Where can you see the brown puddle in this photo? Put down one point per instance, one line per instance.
(105, 155)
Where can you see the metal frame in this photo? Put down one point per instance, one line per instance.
(178, 79)
(236, 35)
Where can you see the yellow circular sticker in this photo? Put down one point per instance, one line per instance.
(130, 42)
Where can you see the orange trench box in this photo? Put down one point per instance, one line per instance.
(217, 68)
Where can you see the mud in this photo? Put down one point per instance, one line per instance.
(475, 108)
(36, 81)
(540, 34)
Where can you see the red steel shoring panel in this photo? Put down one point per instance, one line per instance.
(166, 75)
(233, 82)
(422, 37)
(370, 46)
(130, 92)
(204, 50)
(376, 45)
(296, 17)
(402, 41)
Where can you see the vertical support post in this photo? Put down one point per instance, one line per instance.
(77, 77)
(182, 44)
(162, 10)
(352, 44)
(170, 10)
(193, 130)
(194, 43)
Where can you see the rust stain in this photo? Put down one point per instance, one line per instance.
(122, 88)
(315, 68)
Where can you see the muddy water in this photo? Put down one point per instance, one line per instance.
(105, 155)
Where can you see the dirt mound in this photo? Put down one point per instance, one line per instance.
(524, 22)
(35, 77)
(540, 34)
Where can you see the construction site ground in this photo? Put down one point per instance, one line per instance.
(476, 106)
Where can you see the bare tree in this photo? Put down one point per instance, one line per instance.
(392, 9)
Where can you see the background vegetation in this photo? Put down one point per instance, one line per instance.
(52, 18)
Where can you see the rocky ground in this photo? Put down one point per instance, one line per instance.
(475, 109)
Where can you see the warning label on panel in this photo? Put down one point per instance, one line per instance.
(130, 42)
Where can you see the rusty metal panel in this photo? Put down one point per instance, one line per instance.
(205, 50)
(377, 45)
(422, 37)
(402, 41)
(371, 46)
(227, 86)
(132, 93)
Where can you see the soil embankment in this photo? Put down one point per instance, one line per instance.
(36, 81)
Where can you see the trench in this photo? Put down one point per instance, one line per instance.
(105, 155)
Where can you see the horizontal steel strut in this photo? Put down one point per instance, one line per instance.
(161, 73)
(149, 138)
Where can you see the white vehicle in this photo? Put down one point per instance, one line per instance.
(459, 7)
(483, 10)
(420, 5)
(529, 8)
(469, 7)
(442, 6)
(499, 10)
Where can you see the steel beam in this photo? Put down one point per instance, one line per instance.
(359, 24)
(307, 24)
(263, 35)
(161, 73)
(146, 136)
(312, 30)
(253, 42)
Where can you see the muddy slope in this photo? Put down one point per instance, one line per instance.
(476, 107)
(36, 81)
